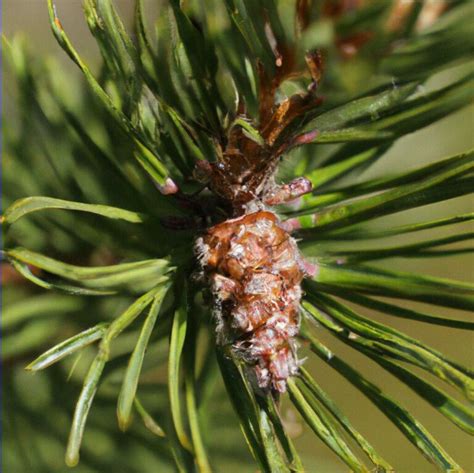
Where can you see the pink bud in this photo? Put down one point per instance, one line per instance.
(169, 187)
(305, 138)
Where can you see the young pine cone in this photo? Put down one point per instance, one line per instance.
(254, 269)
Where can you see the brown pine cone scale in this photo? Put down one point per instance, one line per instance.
(254, 270)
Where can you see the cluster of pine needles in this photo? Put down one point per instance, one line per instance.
(98, 180)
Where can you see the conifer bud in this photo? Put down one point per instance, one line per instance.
(254, 269)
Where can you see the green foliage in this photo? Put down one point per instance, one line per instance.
(109, 160)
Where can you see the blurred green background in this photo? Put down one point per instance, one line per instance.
(451, 135)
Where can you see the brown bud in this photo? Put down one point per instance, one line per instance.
(255, 271)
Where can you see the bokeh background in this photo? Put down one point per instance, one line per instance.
(36, 444)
